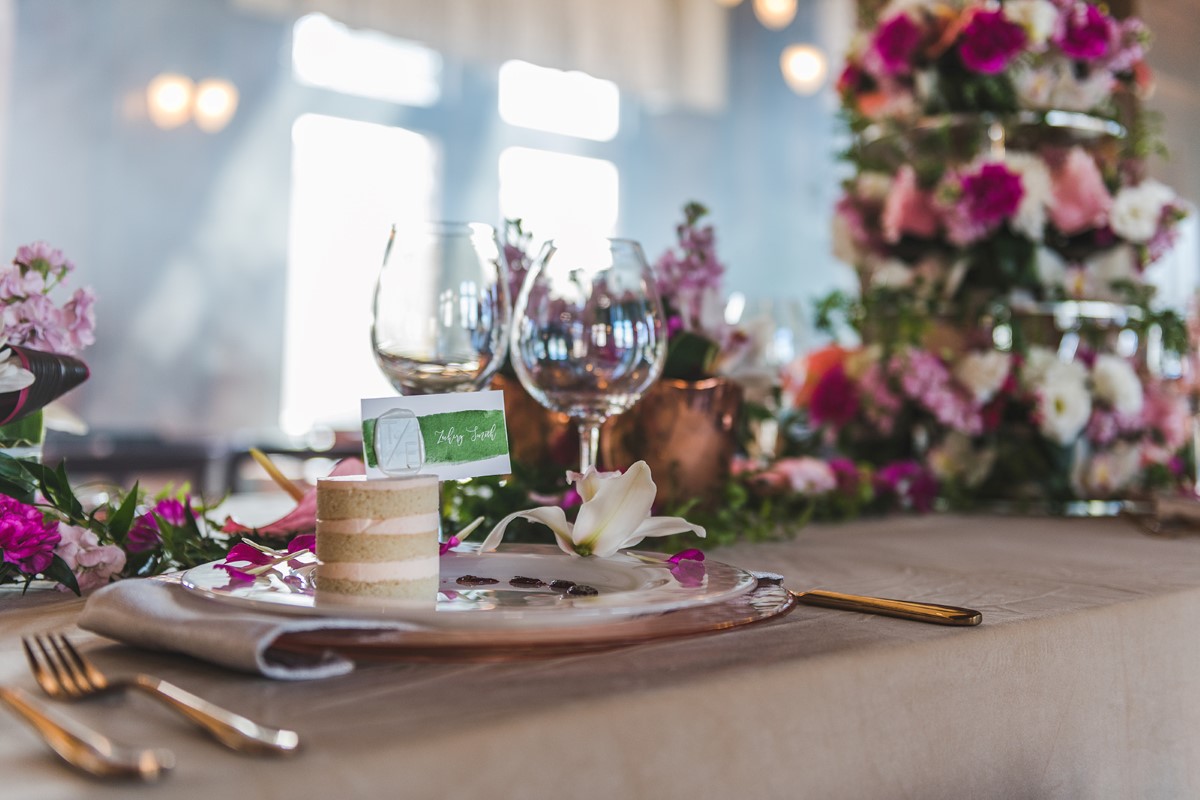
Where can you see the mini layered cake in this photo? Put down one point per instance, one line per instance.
(378, 538)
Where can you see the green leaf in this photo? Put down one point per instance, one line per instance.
(59, 572)
(122, 520)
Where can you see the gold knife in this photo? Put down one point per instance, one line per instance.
(905, 609)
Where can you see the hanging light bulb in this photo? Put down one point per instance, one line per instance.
(804, 68)
(216, 103)
(775, 14)
(169, 100)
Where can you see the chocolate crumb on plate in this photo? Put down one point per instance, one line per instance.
(475, 580)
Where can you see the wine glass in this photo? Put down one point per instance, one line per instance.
(441, 309)
(588, 336)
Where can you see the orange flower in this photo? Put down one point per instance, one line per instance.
(800, 381)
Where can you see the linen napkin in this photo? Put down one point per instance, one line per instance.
(160, 615)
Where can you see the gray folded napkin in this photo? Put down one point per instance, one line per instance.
(159, 615)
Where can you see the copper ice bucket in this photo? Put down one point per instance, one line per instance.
(684, 430)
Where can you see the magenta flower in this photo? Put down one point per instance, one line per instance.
(993, 194)
(913, 485)
(688, 568)
(895, 44)
(1085, 33)
(691, 554)
(144, 533)
(305, 541)
(835, 398)
(27, 538)
(846, 473)
(990, 42)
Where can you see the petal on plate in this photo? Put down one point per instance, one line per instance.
(654, 526)
(618, 507)
(552, 517)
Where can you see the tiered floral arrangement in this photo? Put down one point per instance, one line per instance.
(999, 174)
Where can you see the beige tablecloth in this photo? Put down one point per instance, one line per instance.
(1082, 682)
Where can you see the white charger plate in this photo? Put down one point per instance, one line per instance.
(629, 584)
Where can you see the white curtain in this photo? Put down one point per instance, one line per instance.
(672, 53)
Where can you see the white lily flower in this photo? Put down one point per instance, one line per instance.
(615, 514)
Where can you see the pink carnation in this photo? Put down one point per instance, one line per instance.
(895, 43)
(990, 42)
(835, 398)
(805, 475)
(985, 199)
(908, 210)
(1085, 33)
(27, 538)
(92, 563)
(1081, 200)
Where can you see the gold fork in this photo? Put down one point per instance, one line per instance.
(64, 674)
(84, 748)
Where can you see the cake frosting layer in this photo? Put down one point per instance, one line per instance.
(424, 589)
(379, 571)
(341, 499)
(335, 547)
(398, 526)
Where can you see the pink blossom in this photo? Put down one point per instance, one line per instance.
(1085, 33)
(144, 533)
(883, 403)
(980, 202)
(686, 277)
(43, 258)
(92, 563)
(835, 398)
(1165, 412)
(79, 319)
(805, 475)
(990, 42)
(846, 473)
(913, 485)
(1081, 200)
(27, 537)
(927, 380)
(908, 210)
(1102, 429)
(895, 44)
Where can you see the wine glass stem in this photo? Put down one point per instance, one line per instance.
(589, 442)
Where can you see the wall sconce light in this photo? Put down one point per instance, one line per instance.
(775, 14)
(216, 102)
(169, 100)
(804, 68)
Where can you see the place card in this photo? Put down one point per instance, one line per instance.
(458, 435)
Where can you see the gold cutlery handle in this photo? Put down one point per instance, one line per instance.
(905, 609)
(230, 729)
(83, 747)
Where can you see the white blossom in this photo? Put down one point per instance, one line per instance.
(1037, 194)
(1064, 404)
(1137, 210)
(1116, 383)
(983, 373)
(1038, 17)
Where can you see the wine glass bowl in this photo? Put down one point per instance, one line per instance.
(441, 308)
(588, 336)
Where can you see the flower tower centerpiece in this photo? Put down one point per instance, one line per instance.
(1003, 227)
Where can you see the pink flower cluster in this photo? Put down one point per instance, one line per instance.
(27, 537)
(144, 534)
(92, 563)
(30, 318)
(688, 276)
(905, 65)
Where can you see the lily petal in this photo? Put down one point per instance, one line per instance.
(615, 511)
(654, 526)
(588, 483)
(552, 517)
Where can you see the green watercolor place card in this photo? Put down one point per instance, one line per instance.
(460, 435)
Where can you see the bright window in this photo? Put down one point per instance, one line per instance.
(329, 55)
(350, 181)
(570, 103)
(555, 194)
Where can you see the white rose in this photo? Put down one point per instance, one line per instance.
(1117, 384)
(1037, 17)
(1071, 94)
(1036, 196)
(983, 373)
(873, 186)
(1064, 404)
(1107, 472)
(1114, 265)
(1050, 267)
(1035, 87)
(1040, 362)
(1137, 209)
(892, 274)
